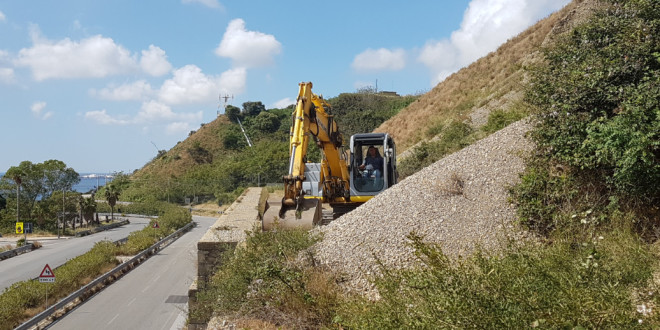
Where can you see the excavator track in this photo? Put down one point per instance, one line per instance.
(326, 217)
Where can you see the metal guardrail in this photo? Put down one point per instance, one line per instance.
(121, 270)
(16, 251)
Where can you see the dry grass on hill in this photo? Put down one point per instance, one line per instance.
(493, 82)
(178, 159)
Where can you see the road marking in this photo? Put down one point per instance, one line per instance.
(132, 301)
(113, 319)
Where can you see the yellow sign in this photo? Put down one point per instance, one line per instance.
(19, 228)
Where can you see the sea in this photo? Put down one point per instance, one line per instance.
(89, 181)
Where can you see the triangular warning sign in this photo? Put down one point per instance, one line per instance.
(47, 272)
(156, 225)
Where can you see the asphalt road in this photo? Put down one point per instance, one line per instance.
(56, 252)
(151, 296)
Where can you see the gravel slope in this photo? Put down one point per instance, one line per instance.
(459, 202)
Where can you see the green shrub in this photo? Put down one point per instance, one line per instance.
(566, 285)
(138, 241)
(499, 119)
(264, 280)
(455, 136)
(597, 99)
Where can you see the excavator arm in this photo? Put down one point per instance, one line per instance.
(311, 118)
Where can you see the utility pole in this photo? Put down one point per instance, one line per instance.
(63, 210)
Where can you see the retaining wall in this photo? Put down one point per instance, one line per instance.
(226, 233)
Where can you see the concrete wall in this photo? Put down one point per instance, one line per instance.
(224, 234)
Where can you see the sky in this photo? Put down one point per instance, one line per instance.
(103, 85)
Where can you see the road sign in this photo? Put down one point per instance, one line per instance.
(156, 225)
(19, 228)
(28, 227)
(47, 275)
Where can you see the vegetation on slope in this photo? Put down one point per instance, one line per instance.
(216, 161)
(597, 100)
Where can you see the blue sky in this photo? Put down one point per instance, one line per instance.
(97, 84)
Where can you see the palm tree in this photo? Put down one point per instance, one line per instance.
(87, 208)
(111, 195)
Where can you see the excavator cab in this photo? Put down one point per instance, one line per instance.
(369, 178)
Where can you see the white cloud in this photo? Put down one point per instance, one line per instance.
(380, 60)
(486, 25)
(233, 81)
(37, 109)
(102, 117)
(138, 90)
(189, 85)
(151, 112)
(154, 111)
(2, 17)
(177, 127)
(94, 57)
(7, 75)
(207, 3)
(154, 61)
(283, 103)
(247, 49)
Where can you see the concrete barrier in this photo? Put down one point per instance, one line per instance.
(225, 234)
(102, 228)
(14, 252)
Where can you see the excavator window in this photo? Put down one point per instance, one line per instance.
(369, 165)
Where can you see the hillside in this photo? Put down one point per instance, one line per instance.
(216, 162)
(183, 155)
(494, 82)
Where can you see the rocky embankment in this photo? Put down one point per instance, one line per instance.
(460, 202)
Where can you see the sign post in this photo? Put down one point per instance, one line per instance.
(47, 276)
(19, 228)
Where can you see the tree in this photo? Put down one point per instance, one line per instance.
(232, 113)
(112, 196)
(266, 122)
(87, 208)
(57, 176)
(38, 181)
(253, 108)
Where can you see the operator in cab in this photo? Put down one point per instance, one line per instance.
(373, 163)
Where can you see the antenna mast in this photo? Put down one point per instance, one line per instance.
(225, 98)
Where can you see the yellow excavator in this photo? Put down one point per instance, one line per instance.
(344, 180)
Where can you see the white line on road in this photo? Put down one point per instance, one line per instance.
(113, 319)
(132, 301)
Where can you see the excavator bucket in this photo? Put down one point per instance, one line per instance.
(278, 215)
